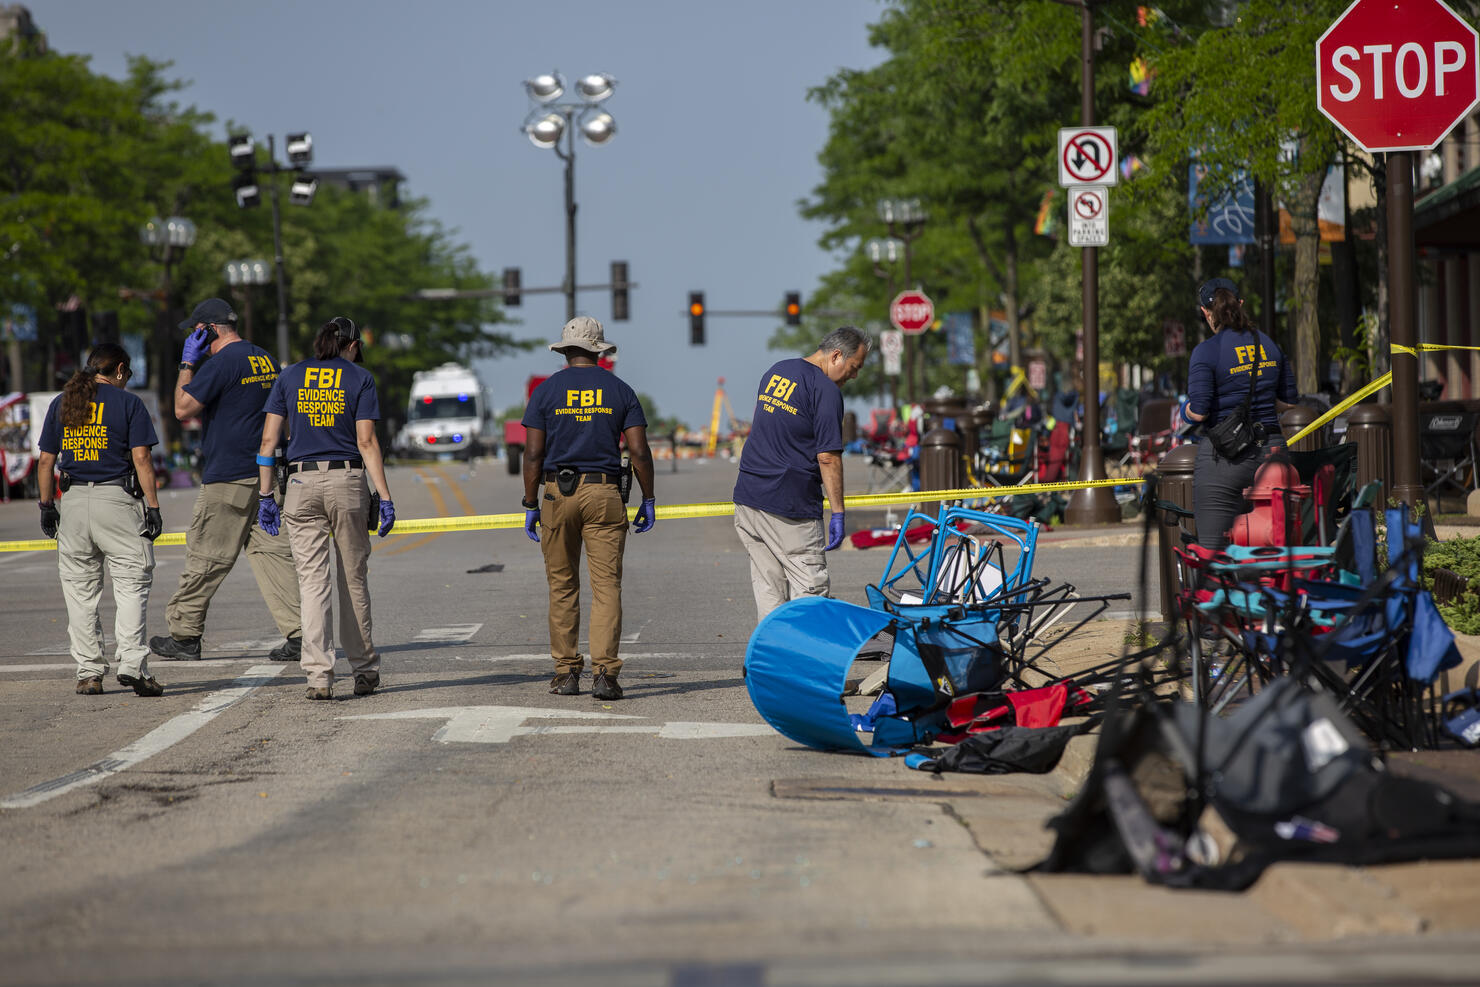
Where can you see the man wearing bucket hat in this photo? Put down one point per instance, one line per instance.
(227, 393)
(575, 424)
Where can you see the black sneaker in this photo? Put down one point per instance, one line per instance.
(366, 683)
(143, 685)
(604, 686)
(566, 684)
(289, 650)
(176, 649)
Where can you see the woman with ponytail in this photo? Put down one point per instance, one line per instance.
(1218, 385)
(99, 436)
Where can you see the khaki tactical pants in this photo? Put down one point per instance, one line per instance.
(103, 524)
(593, 516)
(786, 558)
(324, 509)
(224, 524)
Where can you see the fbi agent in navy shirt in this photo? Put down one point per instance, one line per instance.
(575, 423)
(330, 407)
(1217, 383)
(99, 436)
(224, 381)
(793, 456)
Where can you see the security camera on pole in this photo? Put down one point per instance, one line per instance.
(1396, 76)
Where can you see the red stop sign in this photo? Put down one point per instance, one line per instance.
(911, 311)
(1397, 75)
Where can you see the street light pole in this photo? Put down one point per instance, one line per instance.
(171, 237)
(569, 157)
(277, 251)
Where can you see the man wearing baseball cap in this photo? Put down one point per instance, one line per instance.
(224, 381)
(575, 424)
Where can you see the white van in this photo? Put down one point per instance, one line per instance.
(445, 414)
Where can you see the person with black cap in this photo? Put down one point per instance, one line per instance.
(576, 421)
(1220, 385)
(330, 407)
(224, 381)
(99, 435)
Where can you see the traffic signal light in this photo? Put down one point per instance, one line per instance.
(793, 308)
(511, 287)
(696, 318)
(619, 291)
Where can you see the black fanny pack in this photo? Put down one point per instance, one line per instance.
(567, 478)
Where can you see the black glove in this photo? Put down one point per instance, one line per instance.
(153, 523)
(51, 516)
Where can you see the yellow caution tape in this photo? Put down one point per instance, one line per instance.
(676, 512)
(1341, 406)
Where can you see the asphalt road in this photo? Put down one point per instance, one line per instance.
(463, 825)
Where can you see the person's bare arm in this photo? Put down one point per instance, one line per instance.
(46, 472)
(534, 464)
(831, 464)
(144, 466)
(185, 405)
(642, 458)
(370, 453)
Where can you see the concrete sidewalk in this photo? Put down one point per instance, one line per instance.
(1291, 903)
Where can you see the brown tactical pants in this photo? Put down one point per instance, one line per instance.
(593, 516)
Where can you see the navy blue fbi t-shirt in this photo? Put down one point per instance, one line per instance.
(798, 413)
(233, 385)
(1218, 377)
(322, 400)
(100, 448)
(583, 412)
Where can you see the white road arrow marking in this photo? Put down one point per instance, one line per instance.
(500, 724)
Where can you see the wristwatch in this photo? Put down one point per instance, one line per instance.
(528, 506)
(186, 366)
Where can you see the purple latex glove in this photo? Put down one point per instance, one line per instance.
(387, 518)
(531, 521)
(196, 346)
(647, 516)
(268, 517)
(834, 531)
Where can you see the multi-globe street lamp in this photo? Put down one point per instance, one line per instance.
(905, 221)
(167, 240)
(885, 252)
(548, 121)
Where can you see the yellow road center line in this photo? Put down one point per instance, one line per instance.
(438, 502)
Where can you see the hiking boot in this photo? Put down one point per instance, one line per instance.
(289, 650)
(143, 685)
(604, 686)
(319, 692)
(366, 683)
(566, 684)
(176, 648)
(92, 686)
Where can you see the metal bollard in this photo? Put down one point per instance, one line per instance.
(1297, 418)
(940, 459)
(1370, 427)
(1174, 484)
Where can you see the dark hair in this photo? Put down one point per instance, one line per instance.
(79, 392)
(334, 336)
(1228, 313)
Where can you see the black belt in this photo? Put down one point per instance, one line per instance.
(117, 481)
(585, 477)
(332, 464)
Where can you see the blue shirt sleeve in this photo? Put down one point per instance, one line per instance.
(140, 428)
(209, 381)
(534, 414)
(827, 417)
(277, 398)
(1286, 392)
(51, 428)
(633, 416)
(1200, 390)
(367, 404)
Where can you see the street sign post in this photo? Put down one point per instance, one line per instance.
(1087, 156)
(911, 312)
(1396, 76)
(1089, 216)
(891, 345)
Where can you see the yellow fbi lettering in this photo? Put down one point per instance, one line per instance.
(777, 393)
(321, 398)
(87, 441)
(263, 372)
(583, 404)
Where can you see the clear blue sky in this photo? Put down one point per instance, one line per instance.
(715, 143)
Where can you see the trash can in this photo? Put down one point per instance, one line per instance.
(940, 459)
(1297, 418)
(1370, 427)
(1173, 485)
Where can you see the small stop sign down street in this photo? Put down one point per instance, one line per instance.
(1397, 75)
(912, 312)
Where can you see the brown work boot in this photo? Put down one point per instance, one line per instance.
(366, 683)
(566, 684)
(92, 686)
(143, 685)
(604, 686)
(319, 692)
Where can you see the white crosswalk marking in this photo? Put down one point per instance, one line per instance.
(500, 724)
(451, 634)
